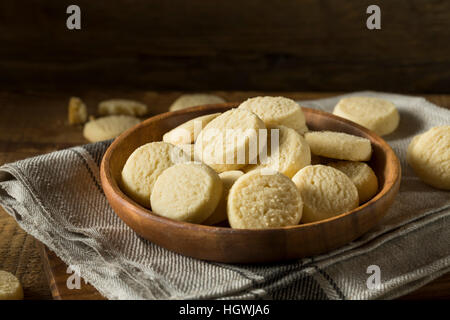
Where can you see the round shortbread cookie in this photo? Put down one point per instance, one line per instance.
(276, 111)
(326, 192)
(187, 132)
(187, 192)
(122, 106)
(361, 175)
(338, 145)
(287, 154)
(258, 201)
(429, 156)
(10, 287)
(108, 127)
(378, 115)
(143, 167)
(197, 99)
(315, 159)
(230, 141)
(188, 149)
(228, 179)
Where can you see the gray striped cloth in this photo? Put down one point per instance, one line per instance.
(58, 199)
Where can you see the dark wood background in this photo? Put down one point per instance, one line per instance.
(296, 45)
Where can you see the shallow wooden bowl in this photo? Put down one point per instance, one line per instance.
(240, 245)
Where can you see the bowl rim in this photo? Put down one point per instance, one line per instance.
(145, 213)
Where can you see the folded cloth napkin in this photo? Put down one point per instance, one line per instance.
(58, 199)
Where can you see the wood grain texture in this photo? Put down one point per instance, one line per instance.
(22, 118)
(227, 45)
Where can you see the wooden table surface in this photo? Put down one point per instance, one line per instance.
(33, 123)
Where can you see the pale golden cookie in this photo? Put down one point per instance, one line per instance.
(77, 111)
(429, 156)
(259, 201)
(361, 175)
(10, 287)
(230, 141)
(338, 145)
(187, 192)
(197, 99)
(287, 154)
(187, 132)
(122, 106)
(276, 111)
(220, 214)
(188, 149)
(144, 166)
(326, 192)
(378, 115)
(108, 127)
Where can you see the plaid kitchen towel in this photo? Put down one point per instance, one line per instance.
(58, 199)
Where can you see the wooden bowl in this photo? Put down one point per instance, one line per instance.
(243, 245)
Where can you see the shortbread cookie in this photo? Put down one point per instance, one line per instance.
(108, 127)
(258, 201)
(187, 192)
(429, 156)
(144, 166)
(188, 149)
(378, 115)
(10, 287)
(77, 111)
(191, 100)
(326, 192)
(187, 132)
(338, 145)
(287, 154)
(276, 111)
(228, 179)
(122, 106)
(361, 175)
(230, 141)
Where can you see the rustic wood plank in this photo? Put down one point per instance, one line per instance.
(228, 45)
